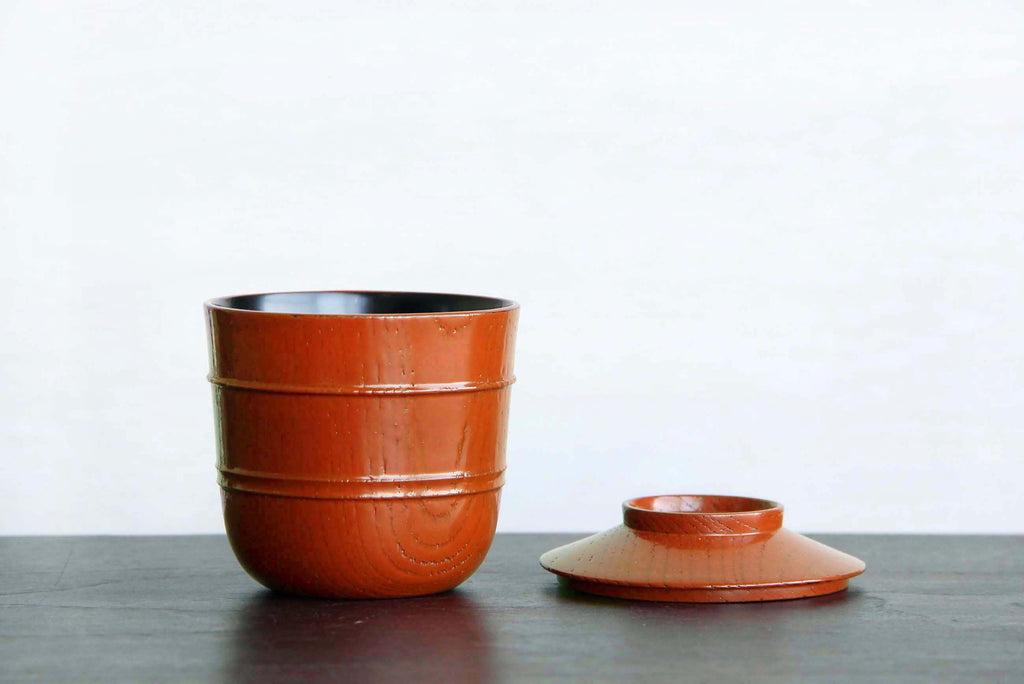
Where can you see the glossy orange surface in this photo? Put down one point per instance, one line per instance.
(361, 454)
(702, 549)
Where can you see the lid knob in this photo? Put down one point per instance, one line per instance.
(702, 515)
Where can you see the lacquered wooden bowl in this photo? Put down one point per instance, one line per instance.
(361, 436)
(702, 549)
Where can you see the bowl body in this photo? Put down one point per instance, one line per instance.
(361, 436)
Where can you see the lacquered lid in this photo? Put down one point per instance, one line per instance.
(702, 548)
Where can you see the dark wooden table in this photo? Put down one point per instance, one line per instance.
(172, 609)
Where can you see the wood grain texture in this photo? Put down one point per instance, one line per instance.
(179, 609)
(361, 456)
(706, 549)
(354, 548)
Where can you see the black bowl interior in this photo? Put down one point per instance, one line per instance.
(355, 303)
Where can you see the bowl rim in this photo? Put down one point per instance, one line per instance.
(224, 303)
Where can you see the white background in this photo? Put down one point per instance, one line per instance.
(772, 249)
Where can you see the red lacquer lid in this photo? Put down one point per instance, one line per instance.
(705, 549)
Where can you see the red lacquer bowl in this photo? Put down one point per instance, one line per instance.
(361, 436)
(702, 549)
